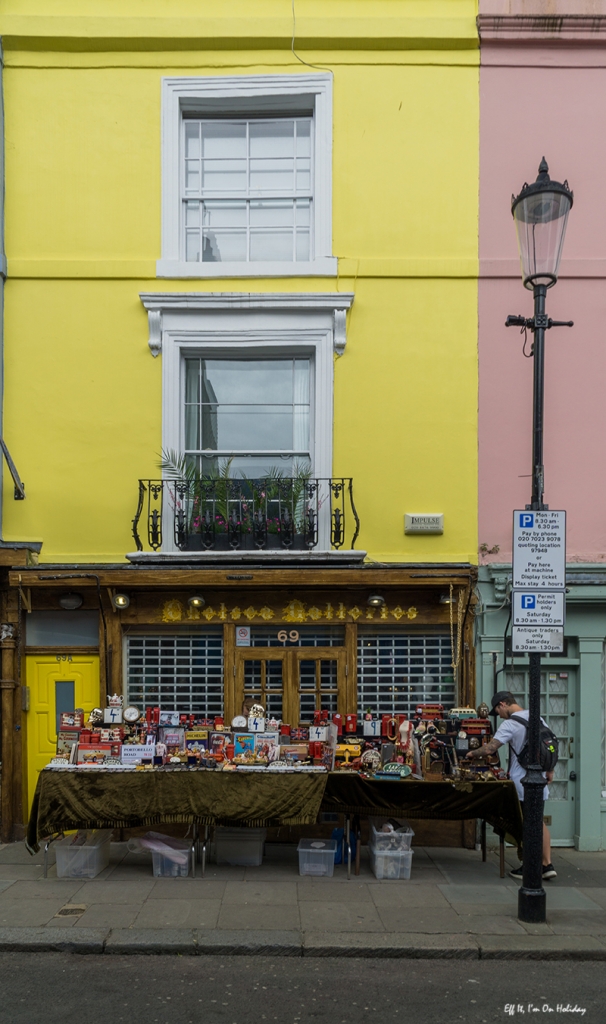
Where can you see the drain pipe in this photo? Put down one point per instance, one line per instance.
(2, 250)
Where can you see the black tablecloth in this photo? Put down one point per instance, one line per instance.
(495, 802)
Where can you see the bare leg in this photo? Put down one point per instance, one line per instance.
(546, 845)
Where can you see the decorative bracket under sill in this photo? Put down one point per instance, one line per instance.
(154, 317)
(340, 334)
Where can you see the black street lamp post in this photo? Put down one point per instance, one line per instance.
(541, 213)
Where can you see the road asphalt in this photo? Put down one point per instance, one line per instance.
(55, 988)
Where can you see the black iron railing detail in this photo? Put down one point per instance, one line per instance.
(210, 514)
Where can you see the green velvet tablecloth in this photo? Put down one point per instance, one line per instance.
(495, 802)
(90, 799)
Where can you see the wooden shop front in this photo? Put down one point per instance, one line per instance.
(203, 640)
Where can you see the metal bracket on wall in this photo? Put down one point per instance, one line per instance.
(19, 485)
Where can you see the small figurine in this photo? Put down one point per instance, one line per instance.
(95, 717)
(115, 701)
(483, 710)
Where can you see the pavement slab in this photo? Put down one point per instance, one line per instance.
(109, 915)
(43, 888)
(183, 888)
(115, 892)
(421, 919)
(577, 922)
(401, 894)
(330, 916)
(281, 917)
(178, 914)
(323, 889)
(260, 894)
(28, 913)
(473, 894)
(10, 872)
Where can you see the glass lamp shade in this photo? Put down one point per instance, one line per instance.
(541, 213)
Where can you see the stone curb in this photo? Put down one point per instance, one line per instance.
(405, 946)
(249, 943)
(151, 940)
(218, 942)
(52, 940)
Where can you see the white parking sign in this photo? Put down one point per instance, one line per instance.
(539, 550)
(538, 608)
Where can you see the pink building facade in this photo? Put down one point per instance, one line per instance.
(543, 93)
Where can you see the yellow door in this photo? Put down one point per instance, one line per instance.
(55, 681)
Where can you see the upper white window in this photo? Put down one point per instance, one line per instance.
(247, 184)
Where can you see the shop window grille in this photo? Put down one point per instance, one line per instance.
(177, 673)
(308, 636)
(397, 671)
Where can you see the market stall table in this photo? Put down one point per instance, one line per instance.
(72, 799)
(495, 802)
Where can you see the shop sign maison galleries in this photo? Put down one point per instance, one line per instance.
(294, 611)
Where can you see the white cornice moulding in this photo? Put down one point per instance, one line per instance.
(157, 303)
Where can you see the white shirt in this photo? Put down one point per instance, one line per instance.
(515, 734)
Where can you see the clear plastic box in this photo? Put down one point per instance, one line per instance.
(317, 857)
(86, 859)
(388, 864)
(240, 846)
(172, 865)
(390, 840)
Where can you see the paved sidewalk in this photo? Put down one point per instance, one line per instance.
(453, 906)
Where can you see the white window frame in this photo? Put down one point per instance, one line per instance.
(265, 94)
(239, 324)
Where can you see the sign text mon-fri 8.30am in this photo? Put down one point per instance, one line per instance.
(539, 550)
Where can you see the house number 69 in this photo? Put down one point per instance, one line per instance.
(293, 636)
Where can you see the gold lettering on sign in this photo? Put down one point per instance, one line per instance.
(250, 612)
(412, 613)
(341, 613)
(384, 612)
(236, 613)
(266, 613)
(222, 612)
(355, 613)
(294, 612)
(370, 613)
(397, 612)
(329, 613)
(193, 614)
(314, 613)
(172, 611)
(209, 613)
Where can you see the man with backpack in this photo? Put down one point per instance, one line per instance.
(514, 731)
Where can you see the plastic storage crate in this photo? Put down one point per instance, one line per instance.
(390, 840)
(317, 857)
(240, 846)
(174, 861)
(390, 863)
(76, 859)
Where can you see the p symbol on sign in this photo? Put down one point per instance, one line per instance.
(526, 520)
(529, 601)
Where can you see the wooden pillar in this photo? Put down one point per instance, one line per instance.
(7, 688)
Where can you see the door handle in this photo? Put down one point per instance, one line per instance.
(573, 776)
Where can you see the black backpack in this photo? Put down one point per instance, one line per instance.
(548, 746)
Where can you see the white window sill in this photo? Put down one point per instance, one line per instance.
(325, 266)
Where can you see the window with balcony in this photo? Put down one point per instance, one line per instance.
(251, 416)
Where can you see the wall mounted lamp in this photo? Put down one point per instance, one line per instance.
(376, 601)
(196, 601)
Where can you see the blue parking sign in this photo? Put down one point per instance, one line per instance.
(529, 601)
(526, 520)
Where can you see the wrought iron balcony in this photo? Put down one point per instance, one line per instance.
(217, 514)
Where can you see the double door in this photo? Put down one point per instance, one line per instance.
(291, 683)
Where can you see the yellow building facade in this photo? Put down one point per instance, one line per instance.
(202, 201)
